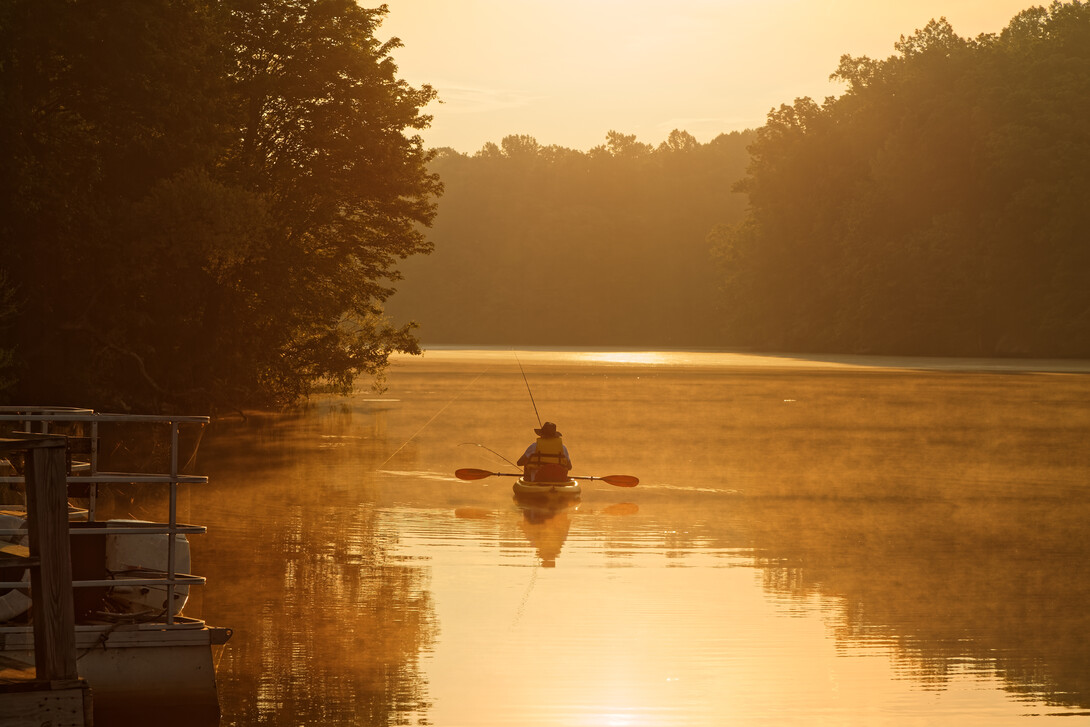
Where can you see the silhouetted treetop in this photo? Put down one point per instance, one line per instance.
(936, 207)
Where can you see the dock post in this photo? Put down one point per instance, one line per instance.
(52, 609)
(57, 695)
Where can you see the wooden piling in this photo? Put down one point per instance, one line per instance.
(52, 608)
(57, 695)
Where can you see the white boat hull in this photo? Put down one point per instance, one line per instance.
(136, 669)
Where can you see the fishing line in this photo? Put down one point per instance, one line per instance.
(471, 383)
(474, 444)
(528, 388)
(525, 597)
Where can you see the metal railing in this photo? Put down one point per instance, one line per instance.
(44, 420)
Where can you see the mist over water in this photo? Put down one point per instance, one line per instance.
(811, 542)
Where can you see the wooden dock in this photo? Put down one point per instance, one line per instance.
(33, 703)
(53, 693)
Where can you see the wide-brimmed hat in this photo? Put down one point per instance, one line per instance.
(548, 429)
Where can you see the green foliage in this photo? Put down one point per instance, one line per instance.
(205, 202)
(551, 246)
(937, 207)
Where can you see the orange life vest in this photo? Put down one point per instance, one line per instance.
(549, 461)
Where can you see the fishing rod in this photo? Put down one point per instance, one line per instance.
(475, 444)
(528, 388)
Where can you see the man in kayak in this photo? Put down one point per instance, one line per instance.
(546, 460)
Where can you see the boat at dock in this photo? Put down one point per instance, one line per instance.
(137, 649)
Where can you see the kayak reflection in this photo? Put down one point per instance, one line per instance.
(545, 524)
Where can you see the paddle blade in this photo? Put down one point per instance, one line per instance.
(621, 480)
(472, 474)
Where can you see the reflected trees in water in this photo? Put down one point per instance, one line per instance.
(341, 622)
(951, 587)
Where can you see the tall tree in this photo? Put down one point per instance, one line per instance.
(8, 310)
(208, 200)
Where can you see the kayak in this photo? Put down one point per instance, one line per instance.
(571, 488)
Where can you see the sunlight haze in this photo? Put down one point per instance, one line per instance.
(568, 71)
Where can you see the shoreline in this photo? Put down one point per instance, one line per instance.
(703, 358)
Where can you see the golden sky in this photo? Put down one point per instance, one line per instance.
(568, 71)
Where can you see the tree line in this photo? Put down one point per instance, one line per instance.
(939, 206)
(208, 204)
(545, 245)
(202, 204)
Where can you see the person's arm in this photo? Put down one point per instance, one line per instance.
(525, 458)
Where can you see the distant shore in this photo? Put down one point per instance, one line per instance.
(737, 359)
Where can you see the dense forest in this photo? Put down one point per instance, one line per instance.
(202, 204)
(209, 204)
(541, 245)
(939, 206)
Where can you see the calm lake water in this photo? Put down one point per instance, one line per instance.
(811, 543)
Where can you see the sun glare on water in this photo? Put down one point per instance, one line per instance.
(628, 357)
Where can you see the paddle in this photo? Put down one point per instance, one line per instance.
(475, 474)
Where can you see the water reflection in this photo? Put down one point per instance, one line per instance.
(546, 526)
(330, 625)
(836, 545)
(970, 586)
